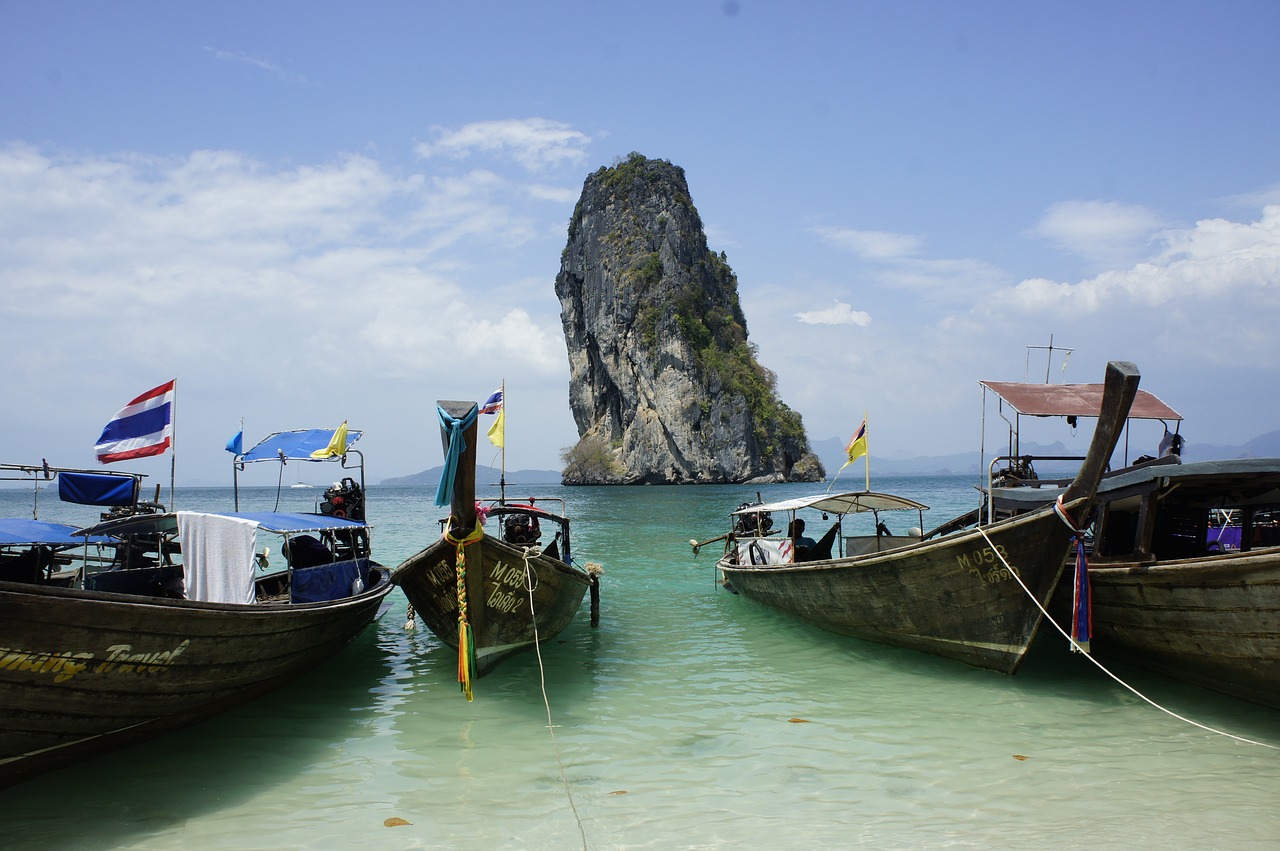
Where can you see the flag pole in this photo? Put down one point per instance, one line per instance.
(867, 452)
(173, 447)
(502, 471)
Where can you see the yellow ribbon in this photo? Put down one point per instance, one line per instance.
(466, 638)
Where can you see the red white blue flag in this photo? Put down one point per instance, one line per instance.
(141, 428)
(493, 404)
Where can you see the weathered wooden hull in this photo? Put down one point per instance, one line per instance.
(84, 672)
(1211, 621)
(498, 607)
(952, 597)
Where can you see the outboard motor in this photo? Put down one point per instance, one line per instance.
(344, 499)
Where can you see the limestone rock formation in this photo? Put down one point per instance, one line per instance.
(664, 386)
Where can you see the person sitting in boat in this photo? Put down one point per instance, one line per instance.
(803, 543)
(1170, 444)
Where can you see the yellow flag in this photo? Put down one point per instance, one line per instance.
(497, 431)
(857, 445)
(337, 444)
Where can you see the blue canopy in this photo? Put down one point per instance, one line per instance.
(280, 522)
(288, 522)
(17, 532)
(295, 445)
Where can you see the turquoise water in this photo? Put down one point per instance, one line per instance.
(690, 719)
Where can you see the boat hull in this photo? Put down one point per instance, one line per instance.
(1211, 621)
(498, 602)
(952, 597)
(84, 672)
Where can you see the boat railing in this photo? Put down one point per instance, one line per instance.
(1020, 472)
(859, 545)
(534, 502)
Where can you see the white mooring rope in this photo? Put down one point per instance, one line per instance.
(530, 583)
(1101, 667)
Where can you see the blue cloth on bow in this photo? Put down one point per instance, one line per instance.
(457, 443)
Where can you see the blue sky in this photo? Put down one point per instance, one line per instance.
(310, 212)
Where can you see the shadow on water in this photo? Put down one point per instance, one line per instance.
(155, 787)
(1050, 675)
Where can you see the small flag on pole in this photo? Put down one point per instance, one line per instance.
(857, 444)
(142, 428)
(497, 431)
(337, 444)
(236, 444)
(493, 404)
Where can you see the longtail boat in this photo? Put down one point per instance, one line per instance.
(489, 595)
(974, 595)
(152, 620)
(1184, 571)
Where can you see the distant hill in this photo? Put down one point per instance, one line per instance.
(484, 476)
(831, 451)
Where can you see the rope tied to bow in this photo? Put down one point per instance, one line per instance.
(1081, 593)
(466, 636)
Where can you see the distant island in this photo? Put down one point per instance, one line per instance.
(831, 451)
(484, 476)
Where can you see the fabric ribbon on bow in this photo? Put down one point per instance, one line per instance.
(455, 428)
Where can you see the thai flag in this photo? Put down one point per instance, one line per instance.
(493, 404)
(141, 428)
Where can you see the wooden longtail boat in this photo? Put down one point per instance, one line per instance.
(952, 596)
(134, 629)
(1184, 573)
(491, 594)
(1175, 593)
(1184, 562)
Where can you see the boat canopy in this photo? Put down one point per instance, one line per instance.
(295, 445)
(280, 522)
(1073, 400)
(841, 503)
(19, 532)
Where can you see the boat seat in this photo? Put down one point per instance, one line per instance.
(32, 566)
(141, 581)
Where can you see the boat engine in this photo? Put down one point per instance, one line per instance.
(344, 499)
(759, 523)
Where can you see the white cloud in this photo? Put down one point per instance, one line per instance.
(246, 280)
(1104, 233)
(1214, 265)
(535, 143)
(871, 244)
(838, 314)
(257, 63)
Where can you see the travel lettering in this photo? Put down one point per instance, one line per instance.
(67, 664)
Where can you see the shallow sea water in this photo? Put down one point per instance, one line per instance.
(690, 719)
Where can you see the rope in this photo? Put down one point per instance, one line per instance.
(1103, 668)
(531, 583)
(466, 637)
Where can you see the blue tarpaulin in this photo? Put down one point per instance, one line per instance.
(97, 489)
(295, 445)
(327, 582)
(18, 532)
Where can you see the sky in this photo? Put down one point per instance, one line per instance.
(315, 212)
